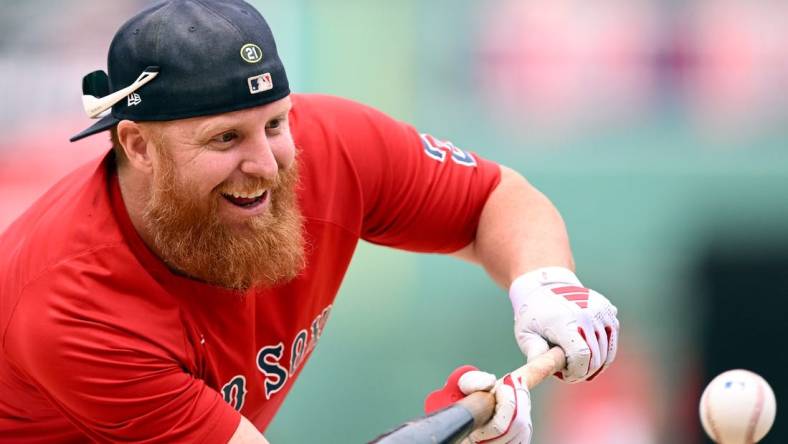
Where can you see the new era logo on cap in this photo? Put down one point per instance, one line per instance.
(258, 84)
(134, 99)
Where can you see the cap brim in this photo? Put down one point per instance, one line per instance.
(103, 124)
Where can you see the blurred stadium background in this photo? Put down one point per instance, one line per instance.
(658, 128)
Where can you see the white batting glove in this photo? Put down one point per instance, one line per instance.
(511, 422)
(551, 306)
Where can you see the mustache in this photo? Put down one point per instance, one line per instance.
(249, 185)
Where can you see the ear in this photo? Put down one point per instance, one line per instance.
(137, 143)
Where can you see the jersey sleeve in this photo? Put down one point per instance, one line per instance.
(112, 381)
(420, 193)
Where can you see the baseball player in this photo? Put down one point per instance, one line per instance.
(172, 290)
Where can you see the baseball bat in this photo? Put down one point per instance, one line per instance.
(453, 423)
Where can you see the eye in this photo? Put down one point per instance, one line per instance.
(224, 140)
(274, 124)
(277, 124)
(227, 137)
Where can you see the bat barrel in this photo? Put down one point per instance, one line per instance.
(447, 426)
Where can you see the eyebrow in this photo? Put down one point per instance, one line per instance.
(280, 116)
(284, 111)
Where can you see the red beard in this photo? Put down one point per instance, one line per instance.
(190, 237)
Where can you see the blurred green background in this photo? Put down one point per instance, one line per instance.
(657, 128)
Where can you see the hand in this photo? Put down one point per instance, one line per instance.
(511, 422)
(551, 306)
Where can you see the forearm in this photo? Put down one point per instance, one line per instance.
(247, 433)
(519, 230)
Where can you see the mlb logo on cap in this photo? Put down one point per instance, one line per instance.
(258, 84)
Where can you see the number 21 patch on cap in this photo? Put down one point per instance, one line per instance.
(251, 53)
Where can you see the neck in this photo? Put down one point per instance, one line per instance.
(135, 190)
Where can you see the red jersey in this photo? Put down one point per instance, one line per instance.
(101, 341)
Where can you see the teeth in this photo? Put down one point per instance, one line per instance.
(253, 195)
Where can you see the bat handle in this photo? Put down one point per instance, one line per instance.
(481, 405)
(541, 367)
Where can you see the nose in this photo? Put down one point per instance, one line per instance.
(258, 159)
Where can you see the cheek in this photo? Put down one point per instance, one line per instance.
(202, 177)
(284, 151)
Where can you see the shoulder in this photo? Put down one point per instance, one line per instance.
(106, 281)
(71, 218)
(332, 113)
(306, 103)
(99, 299)
(68, 264)
(330, 124)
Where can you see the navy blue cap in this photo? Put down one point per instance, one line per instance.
(212, 57)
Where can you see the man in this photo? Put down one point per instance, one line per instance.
(172, 290)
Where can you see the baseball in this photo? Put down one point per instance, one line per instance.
(737, 407)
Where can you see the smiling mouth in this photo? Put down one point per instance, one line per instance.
(246, 201)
